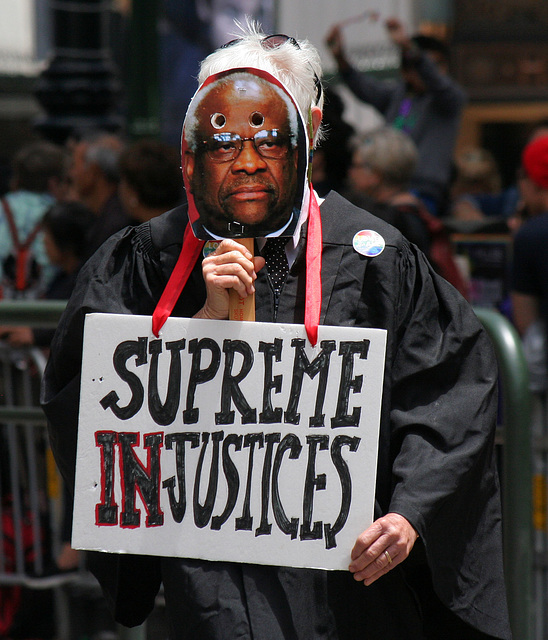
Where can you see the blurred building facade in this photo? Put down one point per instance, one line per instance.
(499, 51)
(501, 57)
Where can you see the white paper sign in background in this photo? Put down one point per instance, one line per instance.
(227, 440)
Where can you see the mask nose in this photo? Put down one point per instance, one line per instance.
(248, 160)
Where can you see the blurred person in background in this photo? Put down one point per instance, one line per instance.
(521, 212)
(39, 178)
(426, 103)
(95, 175)
(219, 17)
(476, 191)
(65, 226)
(333, 156)
(529, 265)
(150, 179)
(383, 163)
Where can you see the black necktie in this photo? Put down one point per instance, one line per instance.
(276, 261)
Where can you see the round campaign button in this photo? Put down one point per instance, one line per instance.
(209, 247)
(368, 243)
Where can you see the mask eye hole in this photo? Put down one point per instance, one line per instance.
(256, 119)
(218, 120)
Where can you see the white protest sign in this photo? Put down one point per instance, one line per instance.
(233, 441)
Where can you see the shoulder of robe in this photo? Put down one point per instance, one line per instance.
(341, 220)
(169, 228)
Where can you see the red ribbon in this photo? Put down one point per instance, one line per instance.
(314, 241)
(191, 250)
(187, 259)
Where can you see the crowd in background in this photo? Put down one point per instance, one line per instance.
(63, 202)
(407, 172)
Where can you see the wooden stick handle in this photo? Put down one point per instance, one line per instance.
(242, 308)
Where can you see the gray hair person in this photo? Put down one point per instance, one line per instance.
(104, 150)
(389, 153)
(95, 176)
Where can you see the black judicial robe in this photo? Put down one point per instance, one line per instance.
(436, 451)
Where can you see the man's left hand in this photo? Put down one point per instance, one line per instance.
(381, 547)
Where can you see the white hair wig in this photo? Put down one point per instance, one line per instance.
(298, 68)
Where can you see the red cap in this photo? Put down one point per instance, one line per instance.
(535, 161)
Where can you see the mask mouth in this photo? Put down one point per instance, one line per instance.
(235, 229)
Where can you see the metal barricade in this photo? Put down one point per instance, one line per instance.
(539, 425)
(516, 472)
(32, 504)
(31, 496)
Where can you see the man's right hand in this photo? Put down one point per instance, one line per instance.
(398, 33)
(230, 266)
(334, 40)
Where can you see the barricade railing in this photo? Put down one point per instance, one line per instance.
(539, 428)
(31, 490)
(38, 313)
(30, 487)
(31, 500)
(516, 471)
(29, 484)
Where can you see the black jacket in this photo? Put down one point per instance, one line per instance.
(435, 466)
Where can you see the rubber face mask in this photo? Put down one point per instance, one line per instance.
(245, 153)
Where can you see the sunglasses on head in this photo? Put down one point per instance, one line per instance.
(273, 42)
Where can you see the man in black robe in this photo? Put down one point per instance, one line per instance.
(437, 499)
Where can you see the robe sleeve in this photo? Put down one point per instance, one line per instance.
(120, 278)
(443, 419)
